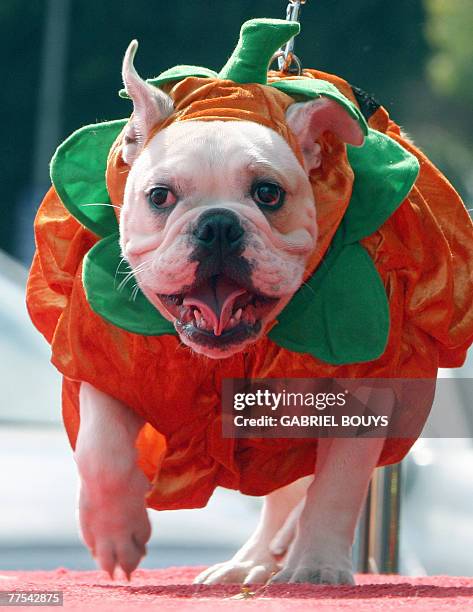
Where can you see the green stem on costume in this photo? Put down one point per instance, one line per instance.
(259, 40)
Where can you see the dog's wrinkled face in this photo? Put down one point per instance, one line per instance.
(218, 222)
(218, 219)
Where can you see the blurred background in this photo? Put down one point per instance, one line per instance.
(62, 61)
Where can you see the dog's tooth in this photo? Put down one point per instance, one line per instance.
(200, 321)
(237, 315)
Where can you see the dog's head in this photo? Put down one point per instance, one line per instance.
(218, 219)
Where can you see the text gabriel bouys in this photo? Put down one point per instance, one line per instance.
(323, 420)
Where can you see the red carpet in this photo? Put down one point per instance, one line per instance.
(171, 589)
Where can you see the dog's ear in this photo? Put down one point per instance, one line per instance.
(150, 105)
(308, 120)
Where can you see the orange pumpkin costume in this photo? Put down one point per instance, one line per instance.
(423, 254)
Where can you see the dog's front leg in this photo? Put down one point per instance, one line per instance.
(254, 562)
(322, 549)
(112, 509)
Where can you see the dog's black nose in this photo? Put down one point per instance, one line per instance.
(219, 230)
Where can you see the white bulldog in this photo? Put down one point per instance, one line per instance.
(217, 224)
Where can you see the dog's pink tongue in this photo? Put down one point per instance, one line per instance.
(215, 301)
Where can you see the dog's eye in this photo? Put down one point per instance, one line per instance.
(161, 197)
(268, 195)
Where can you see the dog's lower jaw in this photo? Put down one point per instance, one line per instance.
(218, 347)
(250, 318)
(219, 316)
(214, 348)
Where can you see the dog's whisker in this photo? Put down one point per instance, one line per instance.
(102, 204)
(129, 271)
(134, 292)
(123, 283)
(122, 259)
(133, 274)
(142, 267)
(128, 276)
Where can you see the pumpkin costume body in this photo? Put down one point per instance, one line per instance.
(407, 233)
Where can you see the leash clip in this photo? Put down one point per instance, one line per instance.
(288, 62)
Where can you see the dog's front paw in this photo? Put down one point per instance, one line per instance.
(321, 564)
(115, 527)
(314, 573)
(239, 572)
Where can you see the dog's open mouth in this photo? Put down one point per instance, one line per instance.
(218, 311)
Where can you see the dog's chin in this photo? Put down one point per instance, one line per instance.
(219, 317)
(220, 347)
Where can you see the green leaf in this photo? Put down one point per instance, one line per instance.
(259, 40)
(384, 176)
(341, 315)
(112, 299)
(78, 175)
